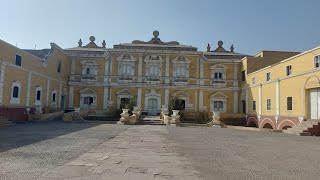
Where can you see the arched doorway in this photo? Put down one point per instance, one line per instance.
(267, 126)
(252, 124)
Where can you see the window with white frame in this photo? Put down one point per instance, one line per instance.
(218, 105)
(218, 102)
(38, 93)
(253, 81)
(317, 61)
(268, 104)
(268, 76)
(181, 70)
(153, 66)
(288, 70)
(289, 103)
(125, 67)
(89, 70)
(53, 98)
(15, 92)
(218, 74)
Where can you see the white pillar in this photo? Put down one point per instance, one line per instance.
(106, 71)
(166, 97)
(110, 96)
(48, 93)
(278, 97)
(105, 97)
(235, 75)
(201, 76)
(140, 69)
(71, 89)
(73, 69)
(201, 100)
(260, 99)
(235, 101)
(139, 97)
(247, 100)
(29, 89)
(167, 69)
(60, 94)
(2, 74)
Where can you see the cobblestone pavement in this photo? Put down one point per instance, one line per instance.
(29, 150)
(141, 152)
(236, 154)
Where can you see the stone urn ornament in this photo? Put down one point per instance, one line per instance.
(216, 119)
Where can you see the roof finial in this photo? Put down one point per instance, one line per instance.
(80, 43)
(104, 44)
(155, 33)
(92, 38)
(232, 48)
(208, 48)
(220, 43)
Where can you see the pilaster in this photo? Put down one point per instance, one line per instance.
(29, 88)
(2, 74)
(167, 69)
(139, 97)
(200, 100)
(278, 97)
(235, 101)
(48, 93)
(140, 68)
(71, 90)
(260, 99)
(166, 97)
(105, 97)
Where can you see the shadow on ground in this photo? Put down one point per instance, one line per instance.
(22, 134)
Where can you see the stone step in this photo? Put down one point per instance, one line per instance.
(4, 121)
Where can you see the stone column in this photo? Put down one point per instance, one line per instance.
(140, 69)
(48, 93)
(71, 90)
(105, 97)
(29, 88)
(278, 97)
(139, 97)
(72, 69)
(235, 101)
(60, 94)
(201, 74)
(2, 74)
(166, 97)
(201, 100)
(260, 99)
(167, 76)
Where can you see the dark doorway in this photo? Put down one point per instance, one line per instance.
(244, 110)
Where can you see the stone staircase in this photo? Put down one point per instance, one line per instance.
(4, 121)
(150, 120)
(311, 127)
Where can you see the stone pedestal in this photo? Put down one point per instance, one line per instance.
(216, 120)
(124, 116)
(175, 118)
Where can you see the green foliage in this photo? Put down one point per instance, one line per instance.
(176, 104)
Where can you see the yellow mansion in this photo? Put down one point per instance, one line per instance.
(276, 89)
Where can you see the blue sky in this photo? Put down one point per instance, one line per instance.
(251, 25)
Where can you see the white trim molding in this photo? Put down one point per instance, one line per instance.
(218, 97)
(15, 100)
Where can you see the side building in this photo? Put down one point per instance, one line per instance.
(281, 94)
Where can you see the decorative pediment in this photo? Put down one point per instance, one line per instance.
(89, 63)
(153, 58)
(180, 94)
(156, 40)
(87, 91)
(218, 66)
(181, 59)
(219, 95)
(124, 92)
(126, 57)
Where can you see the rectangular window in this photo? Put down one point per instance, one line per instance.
(288, 70)
(289, 103)
(18, 60)
(253, 80)
(317, 61)
(268, 76)
(268, 104)
(243, 76)
(253, 105)
(38, 95)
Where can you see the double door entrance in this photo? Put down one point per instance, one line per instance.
(315, 103)
(152, 107)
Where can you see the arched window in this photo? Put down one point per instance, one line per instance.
(15, 93)
(54, 97)
(38, 95)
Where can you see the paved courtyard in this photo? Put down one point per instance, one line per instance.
(55, 150)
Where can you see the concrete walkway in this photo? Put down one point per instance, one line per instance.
(141, 152)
